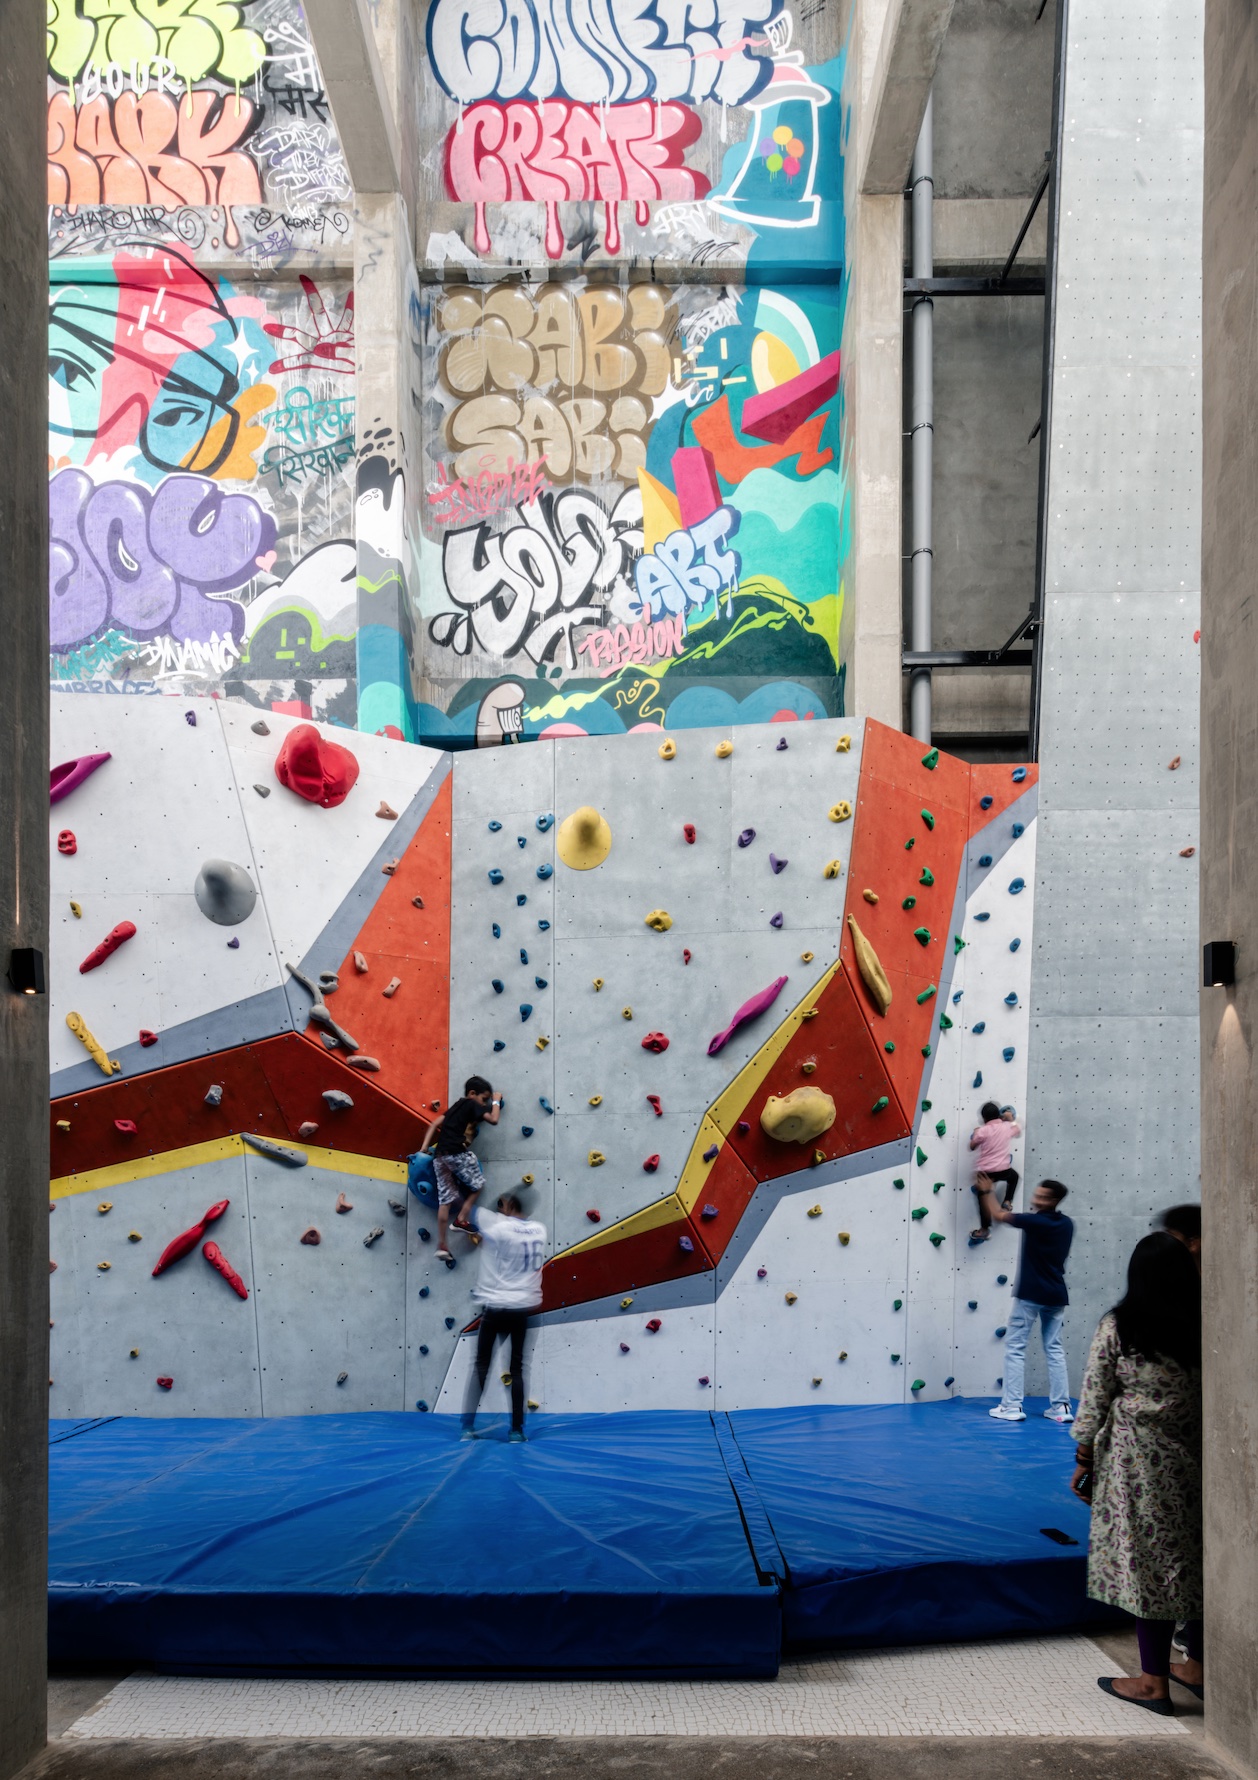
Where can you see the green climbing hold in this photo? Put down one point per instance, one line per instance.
(909, 844)
(926, 994)
(931, 761)
(922, 935)
(920, 1212)
(897, 1304)
(936, 1238)
(889, 1046)
(910, 902)
(921, 1156)
(928, 819)
(925, 1050)
(958, 944)
(918, 1384)
(881, 1104)
(895, 1359)
(941, 1129)
(926, 1105)
(927, 877)
(938, 1187)
(945, 1024)
(898, 1185)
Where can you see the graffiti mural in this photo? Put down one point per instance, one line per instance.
(662, 517)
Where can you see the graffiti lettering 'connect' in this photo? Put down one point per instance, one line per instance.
(150, 563)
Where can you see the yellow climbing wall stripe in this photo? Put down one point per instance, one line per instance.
(117, 1174)
(727, 1108)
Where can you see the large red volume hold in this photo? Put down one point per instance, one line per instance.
(183, 1245)
(117, 936)
(321, 772)
(217, 1259)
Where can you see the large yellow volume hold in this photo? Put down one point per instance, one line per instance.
(798, 1117)
(873, 975)
(96, 1050)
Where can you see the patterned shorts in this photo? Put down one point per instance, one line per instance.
(458, 1177)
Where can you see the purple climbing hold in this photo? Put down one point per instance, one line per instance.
(705, 1380)
(233, 945)
(762, 1273)
(190, 718)
(624, 1347)
(750, 1010)
(782, 745)
(63, 779)
(709, 1211)
(711, 1153)
(776, 920)
(684, 1242)
(746, 837)
(777, 864)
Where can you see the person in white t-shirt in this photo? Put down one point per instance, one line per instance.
(509, 1287)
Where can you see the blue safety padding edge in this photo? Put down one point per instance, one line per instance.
(770, 1564)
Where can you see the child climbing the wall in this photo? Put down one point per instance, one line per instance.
(509, 1287)
(459, 1177)
(993, 1139)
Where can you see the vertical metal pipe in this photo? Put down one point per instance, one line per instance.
(923, 423)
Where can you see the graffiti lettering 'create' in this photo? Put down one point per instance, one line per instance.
(558, 150)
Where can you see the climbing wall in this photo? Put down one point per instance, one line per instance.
(279, 1058)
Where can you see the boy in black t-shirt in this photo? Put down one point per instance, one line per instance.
(459, 1177)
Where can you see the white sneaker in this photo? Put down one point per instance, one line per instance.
(1005, 1412)
(1059, 1412)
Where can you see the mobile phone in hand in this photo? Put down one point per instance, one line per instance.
(1084, 1488)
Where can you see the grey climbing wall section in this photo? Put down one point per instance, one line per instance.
(1114, 1028)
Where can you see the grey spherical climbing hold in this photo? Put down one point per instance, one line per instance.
(263, 790)
(979, 1026)
(1015, 945)
(373, 1235)
(545, 871)
(497, 985)
(544, 823)
(776, 920)
(497, 931)
(984, 859)
(1017, 886)
(982, 917)
(214, 1094)
(225, 892)
(543, 926)
(495, 876)
(1018, 829)
(1011, 1000)
(495, 827)
(259, 728)
(540, 983)
(985, 803)
(520, 901)
(337, 1100)
(1019, 773)
(746, 837)
(526, 1008)
(1008, 1053)
(776, 864)
(500, 1044)
(545, 1104)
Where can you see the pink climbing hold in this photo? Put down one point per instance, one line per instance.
(117, 936)
(67, 777)
(694, 479)
(66, 843)
(655, 1041)
(321, 772)
(126, 1126)
(655, 1325)
(184, 1243)
(147, 1037)
(688, 829)
(595, 1217)
(165, 1383)
(218, 1260)
(650, 1165)
(750, 1010)
(653, 1101)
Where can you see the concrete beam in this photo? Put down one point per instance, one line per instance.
(358, 90)
(904, 66)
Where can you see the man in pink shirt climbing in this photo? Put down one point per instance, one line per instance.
(993, 1139)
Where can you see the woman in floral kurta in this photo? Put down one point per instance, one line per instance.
(1138, 1432)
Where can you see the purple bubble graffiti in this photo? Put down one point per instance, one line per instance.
(150, 562)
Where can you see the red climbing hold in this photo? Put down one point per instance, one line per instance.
(147, 1038)
(655, 1041)
(218, 1260)
(688, 829)
(685, 954)
(653, 1101)
(311, 1237)
(165, 1383)
(655, 1325)
(185, 1243)
(126, 1126)
(650, 1165)
(117, 936)
(321, 772)
(1196, 636)
(66, 842)
(595, 1217)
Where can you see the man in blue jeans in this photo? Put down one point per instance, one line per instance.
(1039, 1294)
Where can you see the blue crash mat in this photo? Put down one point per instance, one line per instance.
(610, 1544)
(917, 1523)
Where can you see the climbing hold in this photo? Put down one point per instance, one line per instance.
(926, 1105)
(543, 926)
(336, 1100)
(67, 777)
(76, 911)
(104, 1206)
(262, 790)
(762, 1273)
(626, 1013)
(1187, 852)
(750, 1010)
(881, 1104)
(321, 772)
(1011, 1000)
(62, 1125)
(922, 935)
(526, 1008)
(495, 876)
(1014, 945)
(898, 1185)
(66, 842)
(386, 812)
(1172, 766)
(545, 1105)
(816, 1381)
(782, 745)
(595, 1217)
(925, 1050)
(808, 1068)
(776, 865)
(984, 859)
(921, 1156)
(897, 1304)
(233, 945)
(214, 1094)
(1008, 1053)
(668, 748)
(596, 1158)
(184, 1243)
(1019, 773)
(792, 1297)
(797, 1117)
(936, 1239)
(927, 877)
(500, 1044)
(985, 803)
(959, 945)
(843, 745)
(126, 1126)
(218, 1260)
(978, 1080)
(545, 871)
(872, 974)
(521, 840)
(724, 749)
(1017, 830)
(360, 964)
(117, 936)
(945, 1023)
(895, 1359)
(540, 983)
(712, 1152)
(596, 1100)
(957, 996)
(809, 1013)
(584, 839)
(931, 761)
(746, 837)
(982, 917)
(979, 1026)
(1017, 886)
(343, 1204)
(190, 718)
(928, 819)
(919, 1212)
(818, 1157)
(653, 1101)
(1001, 1331)
(918, 1384)
(654, 1325)
(709, 1212)
(871, 896)
(650, 1165)
(397, 1208)
(688, 830)
(1002, 1279)
(926, 994)
(910, 902)
(165, 1384)
(497, 985)
(685, 954)
(341, 1377)
(841, 811)
(909, 844)
(598, 983)
(742, 1127)
(806, 957)
(624, 1347)
(776, 920)
(526, 1180)
(625, 1303)
(372, 1235)
(658, 919)
(941, 1127)
(948, 1381)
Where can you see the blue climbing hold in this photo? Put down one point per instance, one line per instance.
(423, 1347)
(526, 1131)
(979, 1026)
(949, 1381)
(494, 827)
(1018, 828)
(1000, 1332)
(521, 840)
(1007, 1053)
(423, 1291)
(709, 1211)
(957, 996)
(545, 822)
(1011, 1000)
(449, 1322)
(1002, 1279)
(540, 982)
(545, 871)
(684, 1242)
(545, 1104)
(973, 1303)
(1014, 944)
(520, 901)
(1017, 887)
(984, 859)
(982, 917)
(422, 1406)
(985, 803)
(978, 1079)
(543, 926)
(500, 1044)
(526, 1008)
(524, 957)
(425, 1236)
(497, 931)
(497, 985)
(495, 876)
(1019, 773)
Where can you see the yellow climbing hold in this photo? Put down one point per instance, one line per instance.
(76, 911)
(818, 1157)
(833, 868)
(871, 897)
(843, 1353)
(791, 1297)
(533, 1404)
(526, 1180)
(843, 745)
(104, 1206)
(807, 957)
(135, 1353)
(816, 1381)
(814, 1211)
(845, 1236)
(506, 1377)
(583, 839)
(598, 983)
(134, 1236)
(542, 1043)
(809, 1013)
(103, 1266)
(873, 975)
(668, 748)
(596, 1100)
(724, 750)
(659, 919)
(797, 1117)
(807, 1068)
(625, 1303)
(626, 1013)
(78, 1025)
(596, 1158)
(841, 811)
(63, 1124)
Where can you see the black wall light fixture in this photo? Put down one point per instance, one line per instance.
(26, 970)
(1218, 961)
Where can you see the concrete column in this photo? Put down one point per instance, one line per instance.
(23, 889)
(1229, 872)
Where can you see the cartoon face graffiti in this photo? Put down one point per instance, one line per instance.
(144, 353)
